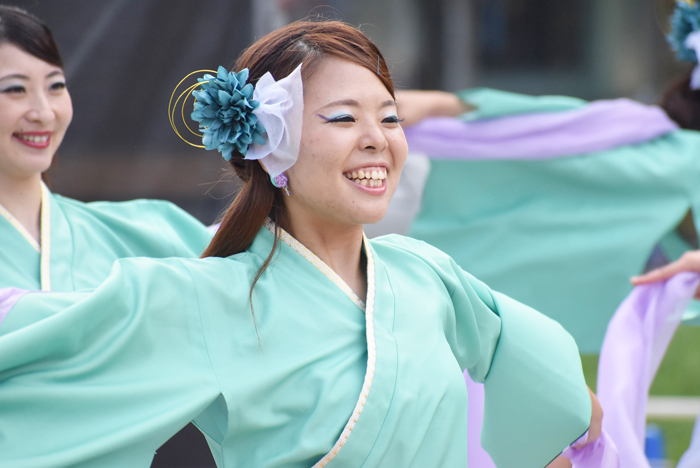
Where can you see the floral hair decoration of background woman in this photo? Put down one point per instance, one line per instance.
(685, 36)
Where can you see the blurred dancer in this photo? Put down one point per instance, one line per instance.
(520, 182)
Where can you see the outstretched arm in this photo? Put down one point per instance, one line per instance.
(103, 378)
(690, 261)
(415, 105)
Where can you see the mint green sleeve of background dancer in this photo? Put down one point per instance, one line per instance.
(493, 103)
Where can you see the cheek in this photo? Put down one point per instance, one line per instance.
(66, 112)
(320, 158)
(399, 151)
(10, 116)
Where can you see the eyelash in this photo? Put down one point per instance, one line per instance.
(20, 89)
(13, 90)
(342, 118)
(349, 118)
(392, 119)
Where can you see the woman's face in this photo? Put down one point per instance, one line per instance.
(35, 111)
(352, 147)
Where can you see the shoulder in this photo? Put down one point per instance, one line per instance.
(680, 145)
(125, 209)
(181, 274)
(404, 245)
(152, 228)
(406, 252)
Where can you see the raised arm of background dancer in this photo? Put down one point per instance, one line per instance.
(690, 261)
(416, 105)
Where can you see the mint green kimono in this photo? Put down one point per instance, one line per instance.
(83, 240)
(562, 235)
(319, 378)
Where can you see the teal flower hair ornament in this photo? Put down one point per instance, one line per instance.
(261, 122)
(684, 37)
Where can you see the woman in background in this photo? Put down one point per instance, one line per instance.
(49, 242)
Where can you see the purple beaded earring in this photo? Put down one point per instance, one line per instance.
(281, 181)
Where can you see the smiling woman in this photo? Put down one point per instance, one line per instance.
(35, 112)
(354, 355)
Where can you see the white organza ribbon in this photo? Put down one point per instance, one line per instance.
(281, 112)
(693, 42)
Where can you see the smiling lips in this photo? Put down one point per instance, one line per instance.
(34, 139)
(373, 178)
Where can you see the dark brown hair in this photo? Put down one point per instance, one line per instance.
(279, 53)
(29, 33)
(682, 104)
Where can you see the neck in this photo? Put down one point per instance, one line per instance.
(22, 199)
(338, 245)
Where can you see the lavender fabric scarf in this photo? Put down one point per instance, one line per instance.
(599, 126)
(599, 454)
(8, 298)
(635, 343)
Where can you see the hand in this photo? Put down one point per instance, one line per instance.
(415, 105)
(596, 426)
(594, 429)
(690, 261)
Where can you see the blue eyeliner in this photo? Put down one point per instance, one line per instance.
(334, 116)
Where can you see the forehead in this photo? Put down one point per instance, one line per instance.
(338, 79)
(15, 60)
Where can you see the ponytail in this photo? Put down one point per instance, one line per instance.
(257, 200)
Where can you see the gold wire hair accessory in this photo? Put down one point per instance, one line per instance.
(260, 122)
(184, 95)
(225, 109)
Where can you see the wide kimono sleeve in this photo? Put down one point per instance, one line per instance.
(536, 399)
(103, 378)
(536, 402)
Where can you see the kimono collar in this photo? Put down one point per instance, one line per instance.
(44, 246)
(261, 246)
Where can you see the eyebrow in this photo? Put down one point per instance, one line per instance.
(20, 76)
(354, 103)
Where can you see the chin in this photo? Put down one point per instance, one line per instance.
(372, 218)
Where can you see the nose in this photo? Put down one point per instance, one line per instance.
(373, 138)
(40, 109)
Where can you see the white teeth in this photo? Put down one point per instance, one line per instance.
(41, 139)
(367, 178)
